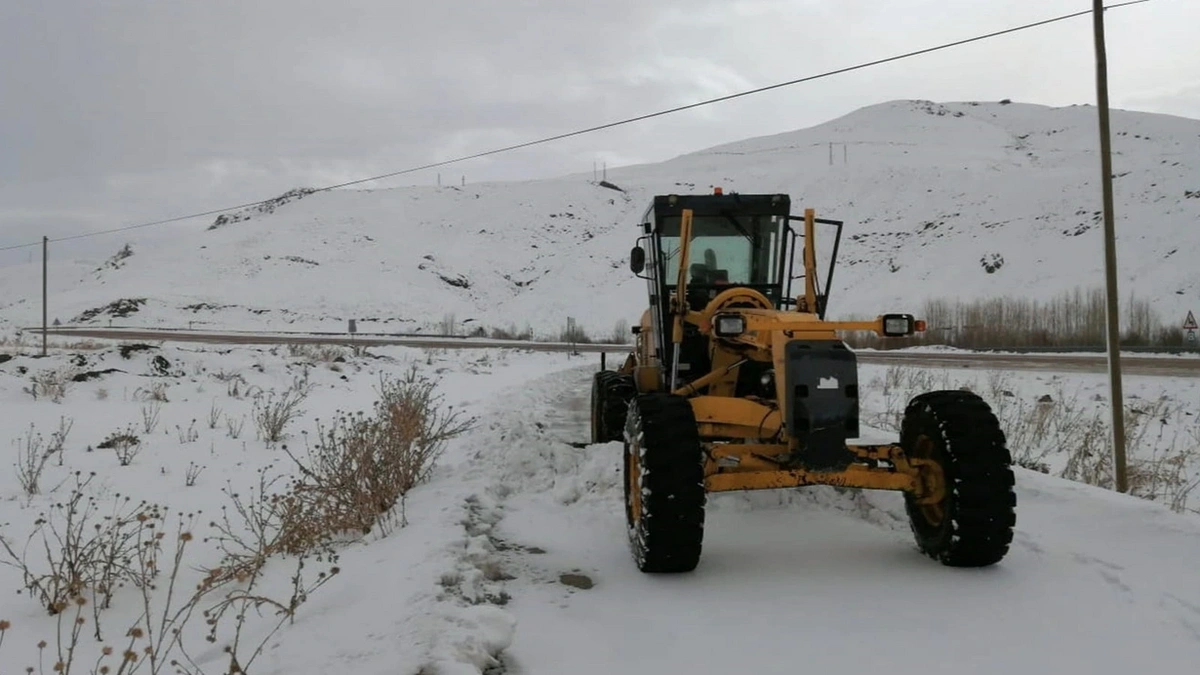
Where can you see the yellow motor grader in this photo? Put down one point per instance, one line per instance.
(733, 384)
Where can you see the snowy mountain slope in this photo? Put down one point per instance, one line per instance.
(941, 200)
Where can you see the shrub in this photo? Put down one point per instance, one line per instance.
(51, 384)
(1061, 429)
(33, 452)
(511, 333)
(273, 415)
(360, 467)
(125, 444)
(316, 353)
(150, 413)
(86, 551)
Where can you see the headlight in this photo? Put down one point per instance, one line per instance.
(729, 325)
(897, 325)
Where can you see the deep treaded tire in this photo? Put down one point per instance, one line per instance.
(611, 392)
(664, 483)
(973, 525)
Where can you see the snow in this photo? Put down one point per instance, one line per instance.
(1095, 582)
(512, 558)
(411, 564)
(803, 584)
(933, 195)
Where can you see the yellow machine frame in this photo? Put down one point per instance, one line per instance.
(741, 459)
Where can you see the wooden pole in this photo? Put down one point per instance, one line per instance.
(45, 276)
(1110, 255)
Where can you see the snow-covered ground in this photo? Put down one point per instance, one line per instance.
(954, 201)
(512, 557)
(514, 560)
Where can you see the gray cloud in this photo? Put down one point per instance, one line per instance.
(119, 111)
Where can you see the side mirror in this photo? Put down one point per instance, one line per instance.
(637, 259)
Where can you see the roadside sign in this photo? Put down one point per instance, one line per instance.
(1190, 322)
(1191, 336)
(353, 327)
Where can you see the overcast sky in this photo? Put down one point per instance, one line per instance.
(117, 111)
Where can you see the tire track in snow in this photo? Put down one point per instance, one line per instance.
(524, 444)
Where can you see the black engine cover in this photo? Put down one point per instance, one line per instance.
(822, 401)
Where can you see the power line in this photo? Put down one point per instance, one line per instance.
(580, 132)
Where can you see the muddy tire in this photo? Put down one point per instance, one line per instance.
(972, 526)
(664, 484)
(611, 392)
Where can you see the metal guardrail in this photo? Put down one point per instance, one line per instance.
(62, 330)
(316, 337)
(1089, 349)
(582, 347)
(1093, 349)
(1057, 360)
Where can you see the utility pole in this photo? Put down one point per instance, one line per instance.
(1110, 254)
(831, 153)
(45, 276)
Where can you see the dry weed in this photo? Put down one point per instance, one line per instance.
(317, 353)
(51, 384)
(125, 445)
(33, 452)
(1062, 430)
(357, 471)
(272, 416)
(188, 435)
(234, 427)
(361, 467)
(89, 555)
(192, 472)
(1158, 468)
(150, 413)
(156, 393)
(214, 416)
(85, 551)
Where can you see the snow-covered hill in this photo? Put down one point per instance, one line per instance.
(941, 200)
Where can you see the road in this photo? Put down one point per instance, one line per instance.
(1161, 366)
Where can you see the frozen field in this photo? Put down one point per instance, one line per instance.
(511, 558)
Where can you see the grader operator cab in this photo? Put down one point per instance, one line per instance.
(733, 384)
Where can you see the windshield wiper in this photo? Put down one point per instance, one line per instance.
(740, 228)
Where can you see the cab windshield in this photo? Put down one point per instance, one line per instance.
(726, 250)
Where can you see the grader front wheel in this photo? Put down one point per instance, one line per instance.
(972, 526)
(664, 483)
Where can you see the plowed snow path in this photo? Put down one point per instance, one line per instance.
(817, 581)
